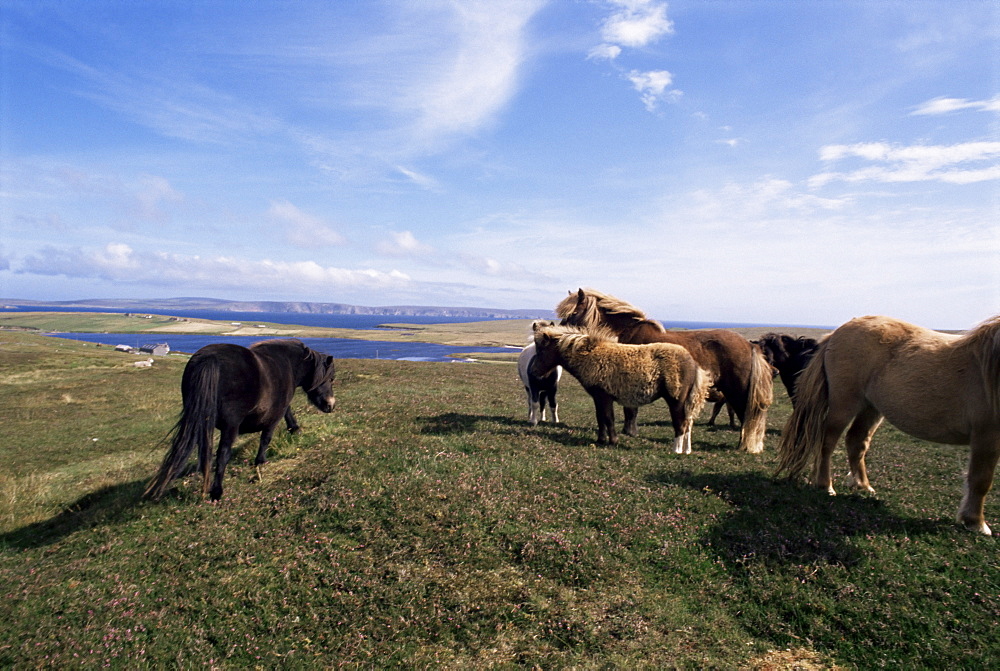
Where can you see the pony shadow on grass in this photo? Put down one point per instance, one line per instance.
(456, 422)
(781, 523)
(111, 505)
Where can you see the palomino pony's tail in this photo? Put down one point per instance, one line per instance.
(195, 427)
(801, 443)
(760, 395)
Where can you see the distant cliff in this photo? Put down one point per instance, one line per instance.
(167, 304)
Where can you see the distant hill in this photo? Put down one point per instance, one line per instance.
(167, 304)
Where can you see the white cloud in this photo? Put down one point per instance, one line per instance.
(937, 106)
(604, 52)
(963, 163)
(302, 229)
(636, 23)
(653, 87)
(475, 72)
(403, 243)
(119, 263)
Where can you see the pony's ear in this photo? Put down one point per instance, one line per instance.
(581, 296)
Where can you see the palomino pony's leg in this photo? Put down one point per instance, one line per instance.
(983, 456)
(631, 425)
(858, 438)
(682, 426)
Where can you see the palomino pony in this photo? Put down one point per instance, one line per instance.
(540, 390)
(632, 375)
(933, 386)
(240, 390)
(789, 355)
(736, 368)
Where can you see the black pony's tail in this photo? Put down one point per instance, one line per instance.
(196, 426)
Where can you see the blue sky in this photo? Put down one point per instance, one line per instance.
(767, 162)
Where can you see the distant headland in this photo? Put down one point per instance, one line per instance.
(299, 307)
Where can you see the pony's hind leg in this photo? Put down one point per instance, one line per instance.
(225, 451)
(858, 438)
(630, 427)
(604, 408)
(983, 456)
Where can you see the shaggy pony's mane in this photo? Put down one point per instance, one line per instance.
(597, 302)
(572, 339)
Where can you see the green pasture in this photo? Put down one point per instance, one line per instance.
(423, 523)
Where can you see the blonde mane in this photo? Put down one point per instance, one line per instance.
(983, 341)
(598, 303)
(572, 339)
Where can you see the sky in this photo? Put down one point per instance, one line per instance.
(771, 161)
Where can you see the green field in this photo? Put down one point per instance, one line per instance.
(423, 523)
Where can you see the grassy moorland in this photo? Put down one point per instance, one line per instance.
(423, 523)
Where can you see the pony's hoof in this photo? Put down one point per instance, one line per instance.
(978, 526)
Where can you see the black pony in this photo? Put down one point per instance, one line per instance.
(240, 390)
(789, 355)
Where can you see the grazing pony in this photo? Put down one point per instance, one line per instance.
(790, 355)
(933, 386)
(240, 390)
(632, 375)
(736, 368)
(540, 390)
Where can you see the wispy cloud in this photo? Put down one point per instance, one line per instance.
(303, 229)
(474, 73)
(938, 106)
(963, 163)
(119, 263)
(403, 243)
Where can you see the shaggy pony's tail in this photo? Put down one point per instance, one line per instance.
(697, 395)
(801, 443)
(760, 395)
(195, 427)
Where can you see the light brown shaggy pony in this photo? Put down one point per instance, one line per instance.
(933, 386)
(632, 375)
(736, 367)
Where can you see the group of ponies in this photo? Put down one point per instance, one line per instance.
(931, 385)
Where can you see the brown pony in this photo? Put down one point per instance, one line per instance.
(633, 375)
(933, 386)
(736, 368)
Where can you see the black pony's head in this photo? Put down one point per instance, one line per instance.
(319, 388)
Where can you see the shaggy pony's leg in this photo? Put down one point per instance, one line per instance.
(604, 408)
(631, 424)
(858, 438)
(983, 456)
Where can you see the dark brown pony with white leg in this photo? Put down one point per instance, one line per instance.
(736, 367)
(240, 390)
(632, 375)
(933, 386)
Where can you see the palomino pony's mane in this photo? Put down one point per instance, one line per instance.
(571, 339)
(984, 342)
(598, 303)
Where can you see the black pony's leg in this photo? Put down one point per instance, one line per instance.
(293, 426)
(222, 456)
(265, 440)
(716, 409)
(631, 424)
